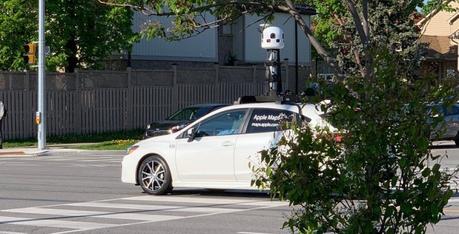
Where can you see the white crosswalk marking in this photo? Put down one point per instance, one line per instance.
(154, 207)
(5, 232)
(208, 210)
(453, 200)
(56, 223)
(191, 200)
(85, 216)
(179, 199)
(141, 217)
(123, 206)
(46, 211)
(95, 214)
(4, 219)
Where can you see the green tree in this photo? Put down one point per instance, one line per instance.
(81, 34)
(377, 180)
(432, 5)
(16, 26)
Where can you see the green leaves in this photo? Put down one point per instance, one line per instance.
(80, 33)
(15, 30)
(376, 180)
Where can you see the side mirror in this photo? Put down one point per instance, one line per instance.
(191, 134)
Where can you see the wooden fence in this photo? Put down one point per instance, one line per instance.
(106, 101)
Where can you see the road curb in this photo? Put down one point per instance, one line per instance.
(58, 152)
(70, 152)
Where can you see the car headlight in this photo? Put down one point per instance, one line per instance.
(132, 149)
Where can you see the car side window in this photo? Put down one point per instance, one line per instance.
(268, 120)
(226, 123)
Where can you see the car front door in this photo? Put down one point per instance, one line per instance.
(209, 156)
(262, 129)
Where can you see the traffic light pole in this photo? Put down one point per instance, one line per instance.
(40, 117)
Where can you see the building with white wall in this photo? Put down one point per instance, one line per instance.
(238, 43)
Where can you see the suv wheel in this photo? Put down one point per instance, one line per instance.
(154, 176)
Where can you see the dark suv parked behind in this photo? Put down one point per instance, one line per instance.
(179, 119)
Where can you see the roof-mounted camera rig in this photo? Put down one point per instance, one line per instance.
(272, 39)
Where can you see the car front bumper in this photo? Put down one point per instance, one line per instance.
(129, 169)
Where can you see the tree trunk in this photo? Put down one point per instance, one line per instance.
(71, 51)
(71, 47)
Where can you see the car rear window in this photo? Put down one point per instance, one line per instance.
(192, 113)
(184, 114)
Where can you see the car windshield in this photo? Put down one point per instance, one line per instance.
(189, 113)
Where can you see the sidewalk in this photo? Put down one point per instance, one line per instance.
(55, 149)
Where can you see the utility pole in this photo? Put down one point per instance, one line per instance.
(40, 116)
(296, 58)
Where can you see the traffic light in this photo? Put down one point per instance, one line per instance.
(30, 56)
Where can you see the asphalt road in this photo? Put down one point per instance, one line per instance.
(82, 193)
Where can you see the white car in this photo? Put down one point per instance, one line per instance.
(212, 152)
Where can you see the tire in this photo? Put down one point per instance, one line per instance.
(154, 176)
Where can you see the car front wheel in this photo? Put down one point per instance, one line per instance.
(154, 176)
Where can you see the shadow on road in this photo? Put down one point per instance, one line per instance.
(449, 217)
(220, 193)
(453, 146)
(443, 145)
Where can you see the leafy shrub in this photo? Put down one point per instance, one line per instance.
(377, 180)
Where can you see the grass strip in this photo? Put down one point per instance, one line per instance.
(120, 140)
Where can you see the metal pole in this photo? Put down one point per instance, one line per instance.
(41, 116)
(296, 57)
(271, 73)
(279, 74)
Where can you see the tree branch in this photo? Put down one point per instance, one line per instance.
(357, 21)
(290, 8)
(194, 9)
(135, 7)
(366, 26)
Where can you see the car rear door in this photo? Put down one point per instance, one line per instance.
(261, 129)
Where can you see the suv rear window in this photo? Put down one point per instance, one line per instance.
(452, 110)
(268, 120)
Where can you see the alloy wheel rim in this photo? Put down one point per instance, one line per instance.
(153, 175)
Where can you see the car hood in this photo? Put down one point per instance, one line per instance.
(157, 139)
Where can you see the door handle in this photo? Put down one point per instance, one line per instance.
(227, 143)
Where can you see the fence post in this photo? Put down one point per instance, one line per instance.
(77, 127)
(254, 80)
(218, 86)
(27, 81)
(175, 91)
(10, 81)
(217, 73)
(287, 78)
(129, 108)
